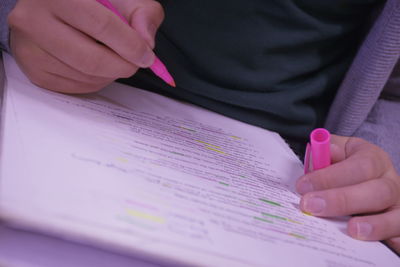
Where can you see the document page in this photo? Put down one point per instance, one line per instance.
(136, 172)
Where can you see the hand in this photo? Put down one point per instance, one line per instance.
(362, 182)
(79, 46)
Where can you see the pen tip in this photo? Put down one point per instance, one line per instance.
(172, 83)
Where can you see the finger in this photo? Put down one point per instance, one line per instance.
(361, 165)
(70, 86)
(394, 243)
(33, 56)
(95, 20)
(338, 147)
(80, 52)
(146, 20)
(371, 196)
(375, 227)
(59, 83)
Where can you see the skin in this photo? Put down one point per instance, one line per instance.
(362, 181)
(79, 46)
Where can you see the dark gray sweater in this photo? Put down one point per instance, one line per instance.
(274, 64)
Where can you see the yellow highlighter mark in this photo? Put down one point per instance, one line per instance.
(123, 160)
(292, 221)
(212, 147)
(207, 144)
(235, 137)
(216, 150)
(146, 216)
(307, 213)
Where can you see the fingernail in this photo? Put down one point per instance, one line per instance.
(304, 187)
(363, 230)
(148, 58)
(315, 205)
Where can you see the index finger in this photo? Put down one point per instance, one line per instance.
(95, 20)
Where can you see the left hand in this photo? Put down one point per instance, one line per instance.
(361, 181)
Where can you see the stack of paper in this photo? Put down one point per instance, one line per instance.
(137, 172)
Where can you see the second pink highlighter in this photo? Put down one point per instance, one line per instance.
(320, 148)
(158, 67)
(318, 153)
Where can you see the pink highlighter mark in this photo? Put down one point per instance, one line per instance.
(320, 148)
(158, 67)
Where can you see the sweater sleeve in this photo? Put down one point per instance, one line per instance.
(382, 126)
(5, 7)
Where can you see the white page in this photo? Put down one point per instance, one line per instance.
(142, 173)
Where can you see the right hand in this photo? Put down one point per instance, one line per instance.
(79, 46)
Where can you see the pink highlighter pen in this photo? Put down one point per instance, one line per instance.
(318, 150)
(158, 67)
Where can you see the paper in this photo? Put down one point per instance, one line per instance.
(138, 172)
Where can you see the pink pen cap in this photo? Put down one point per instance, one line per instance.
(320, 140)
(157, 67)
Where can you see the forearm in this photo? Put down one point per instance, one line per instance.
(5, 7)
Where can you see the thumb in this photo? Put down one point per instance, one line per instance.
(338, 148)
(146, 20)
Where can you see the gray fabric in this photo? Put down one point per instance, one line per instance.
(356, 110)
(392, 87)
(368, 73)
(382, 128)
(5, 7)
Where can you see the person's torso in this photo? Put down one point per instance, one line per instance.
(276, 64)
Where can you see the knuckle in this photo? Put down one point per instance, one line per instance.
(373, 162)
(366, 166)
(17, 18)
(356, 141)
(138, 51)
(322, 181)
(102, 26)
(90, 64)
(158, 10)
(342, 204)
(128, 71)
(354, 144)
(22, 51)
(390, 192)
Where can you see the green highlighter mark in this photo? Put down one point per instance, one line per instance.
(263, 220)
(176, 153)
(187, 129)
(224, 183)
(274, 216)
(270, 202)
